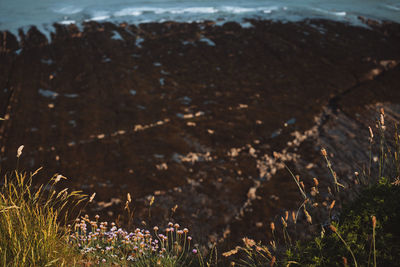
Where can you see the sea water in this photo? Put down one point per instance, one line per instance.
(16, 14)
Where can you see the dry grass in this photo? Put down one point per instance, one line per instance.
(30, 231)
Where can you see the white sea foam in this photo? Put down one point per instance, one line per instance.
(198, 10)
(67, 10)
(393, 7)
(99, 16)
(128, 12)
(238, 10)
(331, 12)
(67, 22)
(268, 10)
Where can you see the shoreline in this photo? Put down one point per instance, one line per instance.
(193, 113)
(362, 21)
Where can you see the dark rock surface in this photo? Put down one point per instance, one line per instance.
(193, 113)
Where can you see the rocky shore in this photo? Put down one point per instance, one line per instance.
(198, 115)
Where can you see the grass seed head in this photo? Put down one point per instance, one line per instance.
(92, 197)
(231, 252)
(373, 222)
(249, 242)
(332, 205)
(345, 263)
(302, 185)
(19, 150)
(323, 152)
(273, 260)
(272, 225)
(371, 134)
(308, 216)
(174, 208)
(294, 216)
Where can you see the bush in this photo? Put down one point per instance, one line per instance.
(356, 228)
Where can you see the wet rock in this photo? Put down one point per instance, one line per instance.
(33, 38)
(261, 98)
(8, 42)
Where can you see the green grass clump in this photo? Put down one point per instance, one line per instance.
(356, 228)
(30, 231)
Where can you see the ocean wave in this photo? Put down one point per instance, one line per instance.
(198, 10)
(138, 11)
(67, 10)
(99, 15)
(393, 7)
(331, 12)
(238, 10)
(131, 11)
(268, 10)
(128, 12)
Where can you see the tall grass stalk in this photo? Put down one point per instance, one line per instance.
(333, 228)
(371, 140)
(329, 165)
(373, 237)
(297, 182)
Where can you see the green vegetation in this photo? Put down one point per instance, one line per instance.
(365, 232)
(31, 232)
(370, 227)
(30, 229)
